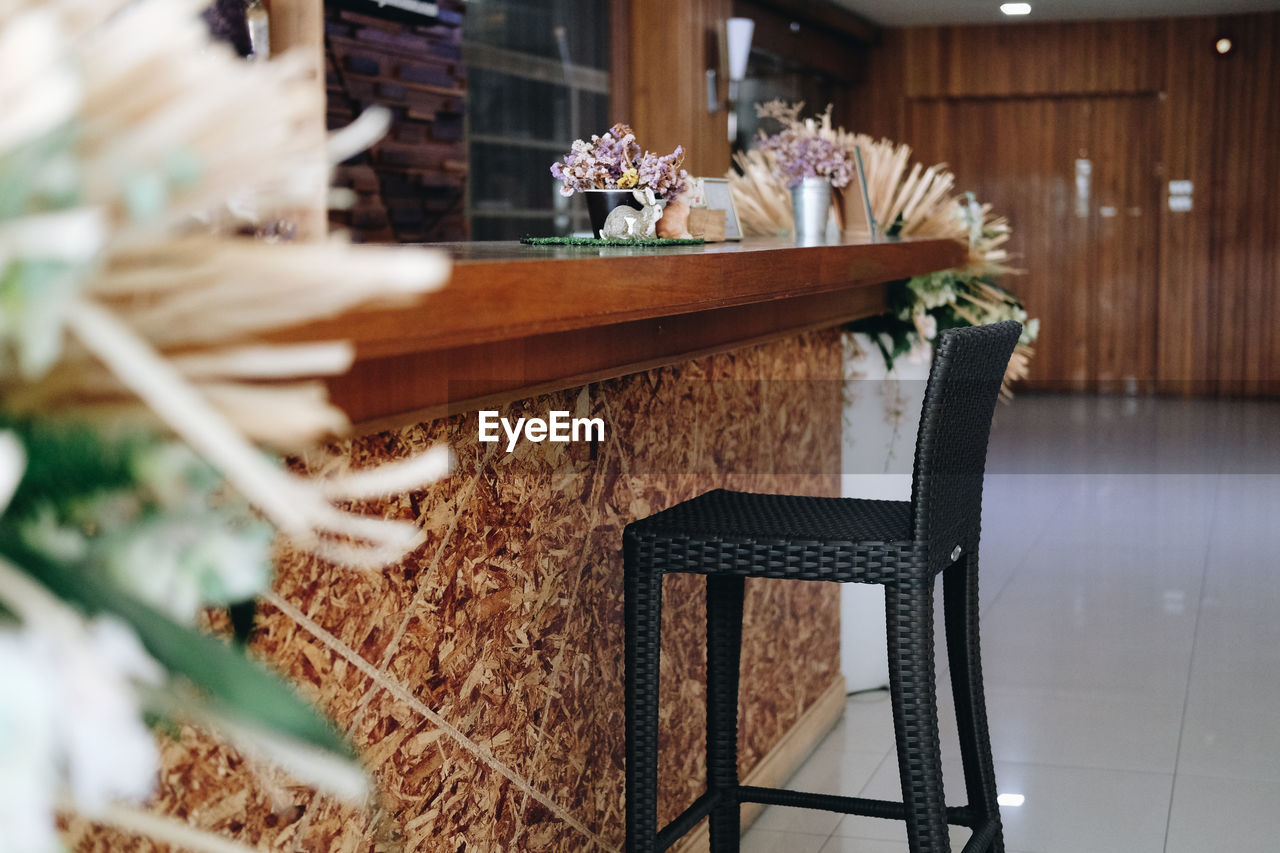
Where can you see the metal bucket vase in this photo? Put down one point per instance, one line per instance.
(810, 205)
(600, 203)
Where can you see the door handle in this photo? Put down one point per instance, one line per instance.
(1084, 185)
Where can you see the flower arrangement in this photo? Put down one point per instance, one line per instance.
(615, 161)
(801, 150)
(970, 296)
(907, 199)
(136, 397)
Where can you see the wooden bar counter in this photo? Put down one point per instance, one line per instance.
(517, 320)
(481, 677)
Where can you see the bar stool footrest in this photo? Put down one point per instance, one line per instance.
(887, 809)
(984, 835)
(688, 819)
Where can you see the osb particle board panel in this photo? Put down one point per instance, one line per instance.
(481, 678)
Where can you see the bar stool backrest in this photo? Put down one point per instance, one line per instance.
(951, 447)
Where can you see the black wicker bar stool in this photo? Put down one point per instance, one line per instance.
(903, 545)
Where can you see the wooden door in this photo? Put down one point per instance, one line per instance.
(1082, 196)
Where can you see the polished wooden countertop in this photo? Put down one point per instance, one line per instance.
(517, 320)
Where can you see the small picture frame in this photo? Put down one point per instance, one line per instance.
(866, 196)
(719, 197)
(858, 222)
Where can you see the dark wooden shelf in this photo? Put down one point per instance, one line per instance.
(517, 320)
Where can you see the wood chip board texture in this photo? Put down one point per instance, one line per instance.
(481, 677)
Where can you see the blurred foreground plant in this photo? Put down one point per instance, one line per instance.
(134, 386)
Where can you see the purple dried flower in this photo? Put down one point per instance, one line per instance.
(607, 161)
(800, 153)
(597, 164)
(663, 175)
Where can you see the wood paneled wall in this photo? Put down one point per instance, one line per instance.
(1187, 346)
(1244, 208)
(1082, 268)
(660, 64)
(1188, 305)
(1038, 59)
(672, 44)
(823, 38)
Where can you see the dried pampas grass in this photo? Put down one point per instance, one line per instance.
(763, 202)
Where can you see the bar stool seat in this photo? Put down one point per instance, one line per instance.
(902, 545)
(782, 536)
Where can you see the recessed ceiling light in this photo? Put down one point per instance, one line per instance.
(1223, 46)
(1016, 8)
(1011, 800)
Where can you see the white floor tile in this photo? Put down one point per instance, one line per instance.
(1223, 814)
(768, 841)
(867, 724)
(826, 772)
(1069, 810)
(1082, 642)
(1227, 738)
(1066, 809)
(1237, 656)
(834, 773)
(1241, 581)
(1072, 729)
(1240, 578)
(844, 844)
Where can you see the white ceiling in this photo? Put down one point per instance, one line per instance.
(905, 13)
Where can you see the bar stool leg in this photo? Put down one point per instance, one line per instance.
(909, 612)
(642, 592)
(724, 645)
(960, 607)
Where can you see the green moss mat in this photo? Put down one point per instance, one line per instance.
(600, 241)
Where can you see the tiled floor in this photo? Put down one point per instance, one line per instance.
(1131, 633)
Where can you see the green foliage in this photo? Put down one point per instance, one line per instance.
(39, 176)
(68, 463)
(948, 299)
(34, 293)
(143, 512)
(891, 335)
(83, 496)
(229, 681)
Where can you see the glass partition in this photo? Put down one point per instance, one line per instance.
(538, 78)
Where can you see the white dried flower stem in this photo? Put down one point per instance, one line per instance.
(66, 235)
(13, 461)
(168, 830)
(32, 602)
(291, 503)
(263, 361)
(370, 126)
(39, 94)
(280, 416)
(160, 386)
(390, 478)
(327, 772)
(214, 291)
